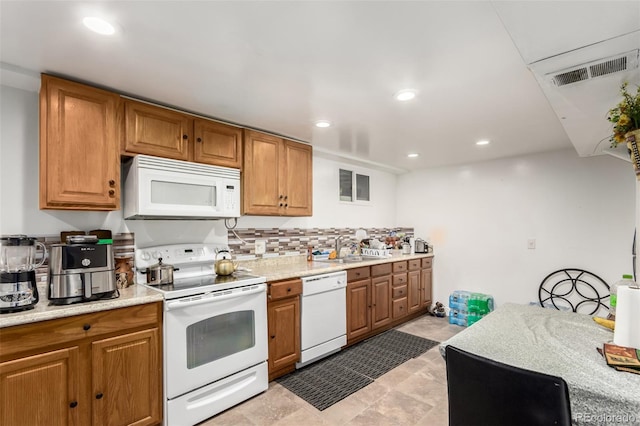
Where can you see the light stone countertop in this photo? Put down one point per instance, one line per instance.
(273, 269)
(43, 311)
(285, 267)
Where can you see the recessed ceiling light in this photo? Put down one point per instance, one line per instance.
(323, 123)
(405, 95)
(412, 155)
(98, 25)
(482, 142)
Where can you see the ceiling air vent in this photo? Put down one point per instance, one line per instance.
(601, 67)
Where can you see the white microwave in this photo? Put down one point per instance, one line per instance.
(161, 188)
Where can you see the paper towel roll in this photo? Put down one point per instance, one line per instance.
(627, 331)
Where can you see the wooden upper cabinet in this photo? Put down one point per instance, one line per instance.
(297, 178)
(79, 150)
(277, 176)
(261, 186)
(217, 144)
(152, 130)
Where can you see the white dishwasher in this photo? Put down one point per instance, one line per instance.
(323, 312)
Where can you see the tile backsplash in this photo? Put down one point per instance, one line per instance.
(298, 239)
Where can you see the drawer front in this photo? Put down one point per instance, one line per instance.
(399, 292)
(357, 274)
(414, 264)
(383, 269)
(280, 290)
(400, 279)
(399, 267)
(427, 262)
(39, 335)
(400, 308)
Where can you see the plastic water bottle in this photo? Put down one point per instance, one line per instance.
(626, 280)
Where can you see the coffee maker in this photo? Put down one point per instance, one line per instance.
(81, 270)
(18, 289)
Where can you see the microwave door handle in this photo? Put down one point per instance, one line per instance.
(210, 298)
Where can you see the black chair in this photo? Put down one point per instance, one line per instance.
(574, 289)
(483, 392)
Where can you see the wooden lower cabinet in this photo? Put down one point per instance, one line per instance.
(125, 379)
(385, 295)
(425, 282)
(381, 308)
(358, 307)
(41, 389)
(102, 368)
(283, 317)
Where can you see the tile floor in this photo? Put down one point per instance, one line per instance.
(414, 393)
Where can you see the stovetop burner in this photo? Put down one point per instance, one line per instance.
(207, 282)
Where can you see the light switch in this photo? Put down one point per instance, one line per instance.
(531, 244)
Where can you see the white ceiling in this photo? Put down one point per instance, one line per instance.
(280, 66)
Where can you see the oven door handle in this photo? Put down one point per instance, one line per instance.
(212, 298)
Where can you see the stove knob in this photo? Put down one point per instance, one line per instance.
(145, 255)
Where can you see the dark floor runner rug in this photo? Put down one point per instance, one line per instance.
(327, 381)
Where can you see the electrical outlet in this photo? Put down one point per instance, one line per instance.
(531, 244)
(260, 246)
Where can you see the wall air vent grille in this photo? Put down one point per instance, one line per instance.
(613, 64)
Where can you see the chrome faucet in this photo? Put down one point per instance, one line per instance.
(338, 245)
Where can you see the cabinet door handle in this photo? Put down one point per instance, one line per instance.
(112, 192)
(99, 395)
(73, 404)
(185, 137)
(199, 139)
(86, 327)
(112, 182)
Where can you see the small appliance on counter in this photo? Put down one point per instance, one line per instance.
(18, 289)
(423, 247)
(81, 270)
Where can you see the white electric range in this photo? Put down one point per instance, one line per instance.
(215, 333)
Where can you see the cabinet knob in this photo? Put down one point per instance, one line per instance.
(73, 404)
(112, 192)
(286, 196)
(99, 395)
(185, 137)
(86, 327)
(286, 205)
(357, 274)
(273, 337)
(112, 182)
(280, 204)
(199, 139)
(288, 290)
(281, 197)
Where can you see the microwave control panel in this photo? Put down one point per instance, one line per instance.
(231, 196)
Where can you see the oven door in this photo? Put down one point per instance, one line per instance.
(211, 336)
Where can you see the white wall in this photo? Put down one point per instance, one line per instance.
(19, 212)
(479, 217)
